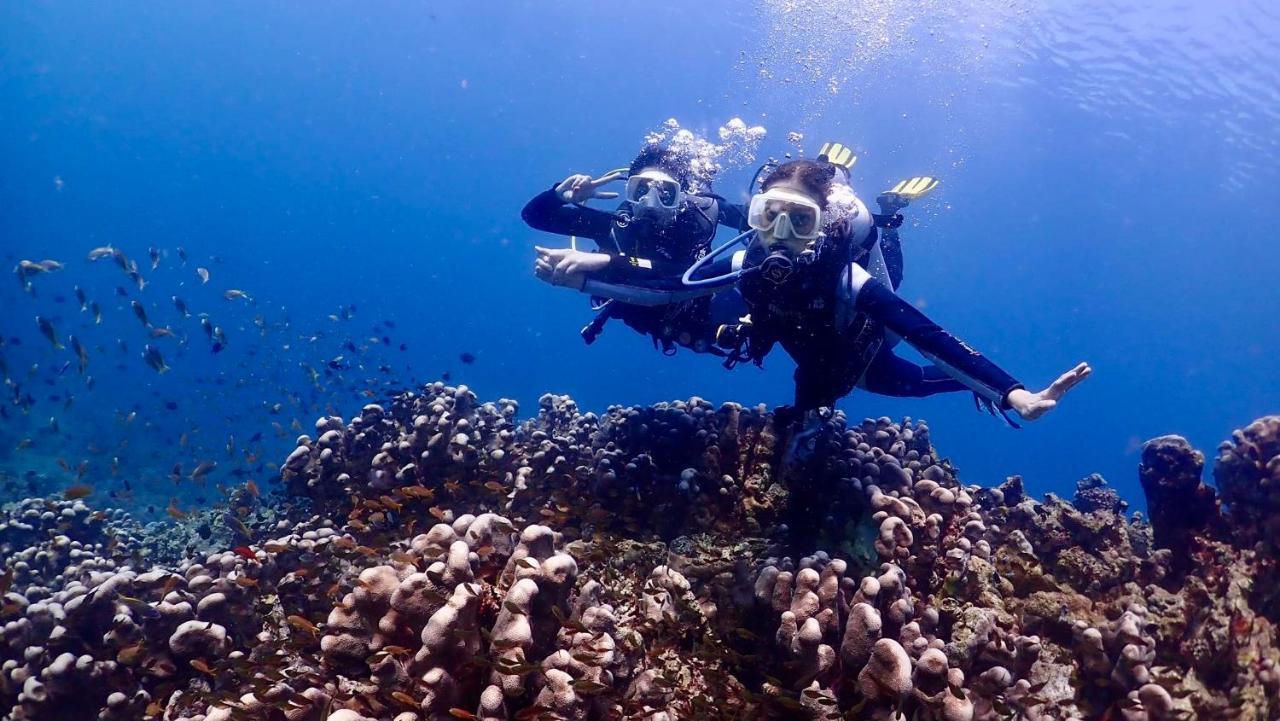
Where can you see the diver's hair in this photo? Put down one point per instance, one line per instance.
(815, 177)
(668, 161)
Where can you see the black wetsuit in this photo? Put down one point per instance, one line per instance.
(833, 319)
(646, 253)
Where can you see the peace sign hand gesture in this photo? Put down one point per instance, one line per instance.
(580, 188)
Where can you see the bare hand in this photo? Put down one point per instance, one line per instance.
(581, 188)
(566, 266)
(1033, 405)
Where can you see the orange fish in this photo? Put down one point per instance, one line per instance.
(174, 511)
(80, 490)
(303, 624)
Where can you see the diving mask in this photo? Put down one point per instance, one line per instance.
(654, 189)
(785, 214)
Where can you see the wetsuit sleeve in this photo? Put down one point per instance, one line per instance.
(891, 375)
(943, 349)
(891, 249)
(642, 271)
(655, 290)
(733, 215)
(549, 213)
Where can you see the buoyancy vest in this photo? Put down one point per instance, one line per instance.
(810, 316)
(680, 243)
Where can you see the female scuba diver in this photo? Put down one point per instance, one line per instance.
(814, 281)
(658, 231)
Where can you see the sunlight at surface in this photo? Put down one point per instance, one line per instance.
(1193, 67)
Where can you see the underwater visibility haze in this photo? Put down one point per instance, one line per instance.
(293, 428)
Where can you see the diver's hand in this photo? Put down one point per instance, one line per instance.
(566, 266)
(1033, 405)
(580, 188)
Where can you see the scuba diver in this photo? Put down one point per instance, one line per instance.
(817, 281)
(660, 228)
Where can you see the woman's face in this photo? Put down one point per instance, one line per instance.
(800, 223)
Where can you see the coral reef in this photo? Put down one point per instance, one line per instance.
(662, 563)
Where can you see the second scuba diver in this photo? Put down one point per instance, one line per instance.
(815, 280)
(661, 227)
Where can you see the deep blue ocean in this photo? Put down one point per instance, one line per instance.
(1109, 193)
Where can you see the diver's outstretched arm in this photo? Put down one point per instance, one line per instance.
(892, 375)
(951, 354)
(1033, 405)
(550, 212)
(600, 279)
(732, 215)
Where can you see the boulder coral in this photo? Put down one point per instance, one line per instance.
(660, 563)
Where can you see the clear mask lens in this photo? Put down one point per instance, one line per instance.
(789, 216)
(653, 192)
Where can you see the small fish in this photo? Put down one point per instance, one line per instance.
(182, 254)
(139, 605)
(81, 354)
(97, 254)
(252, 488)
(80, 490)
(181, 305)
(26, 268)
(303, 624)
(204, 274)
(236, 294)
(203, 469)
(237, 525)
(154, 254)
(207, 325)
(467, 358)
(174, 511)
(96, 310)
(84, 301)
(202, 667)
(152, 356)
(246, 552)
(140, 312)
(164, 332)
(47, 329)
(137, 278)
(129, 655)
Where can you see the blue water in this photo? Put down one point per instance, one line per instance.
(1109, 194)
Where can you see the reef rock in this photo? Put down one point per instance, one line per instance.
(657, 563)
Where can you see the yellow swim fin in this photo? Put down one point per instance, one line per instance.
(901, 195)
(915, 188)
(838, 154)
